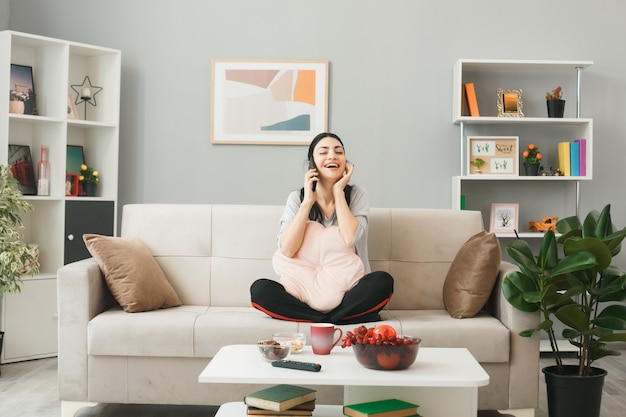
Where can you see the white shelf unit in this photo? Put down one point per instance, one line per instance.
(540, 195)
(29, 318)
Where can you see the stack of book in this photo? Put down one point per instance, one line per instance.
(281, 400)
(383, 408)
(573, 158)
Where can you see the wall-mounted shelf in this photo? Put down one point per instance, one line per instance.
(537, 196)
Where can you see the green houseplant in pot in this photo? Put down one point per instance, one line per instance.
(16, 257)
(582, 291)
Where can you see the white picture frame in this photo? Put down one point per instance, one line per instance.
(504, 218)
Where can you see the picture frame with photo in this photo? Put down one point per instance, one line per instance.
(22, 89)
(492, 155)
(504, 218)
(510, 103)
(21, 168)
(71, 185)
(268, 101)
(72, 113)
(75, 157)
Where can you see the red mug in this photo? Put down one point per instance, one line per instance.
(322, 335)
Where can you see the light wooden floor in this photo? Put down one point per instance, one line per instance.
(29, 389)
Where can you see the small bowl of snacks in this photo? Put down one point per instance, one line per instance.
(273, 350)
(382, 348)
(298, 340)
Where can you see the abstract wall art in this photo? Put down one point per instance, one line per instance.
(268, 102)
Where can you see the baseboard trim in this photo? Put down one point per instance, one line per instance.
(70, 408)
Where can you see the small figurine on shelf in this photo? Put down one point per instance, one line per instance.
(89, 179)
(546, 223)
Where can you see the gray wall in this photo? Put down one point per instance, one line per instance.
(4, 14)
(390, 86)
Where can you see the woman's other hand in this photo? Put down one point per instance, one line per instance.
(345, 180)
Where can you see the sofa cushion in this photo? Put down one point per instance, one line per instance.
(322, 270)
(472, 275)
(131, 273)
(487, 339)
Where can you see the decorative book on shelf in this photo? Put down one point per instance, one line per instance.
(470, 97)
(573, 158)
(305, 409)
(564, 158)
(582, 147)
(280, 397)
(383, 408)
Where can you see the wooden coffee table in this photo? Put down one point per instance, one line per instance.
(443, 381)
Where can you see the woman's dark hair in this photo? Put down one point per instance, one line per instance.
(316, 140)
(316, 213)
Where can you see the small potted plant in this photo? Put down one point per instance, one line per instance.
(532, 157)
(478, 163)
(17, 102)
(555, 103)
(583, 291)
(89, 179)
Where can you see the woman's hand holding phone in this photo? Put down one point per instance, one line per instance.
(310, 184)
(312, 168)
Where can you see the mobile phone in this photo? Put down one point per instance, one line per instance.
(312, 166)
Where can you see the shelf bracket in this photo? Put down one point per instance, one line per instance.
(462, 147)
(579, 71)
(577, 197)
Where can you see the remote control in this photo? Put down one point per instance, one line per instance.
(303, 366)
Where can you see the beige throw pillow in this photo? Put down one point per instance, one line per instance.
(131, 273)
(472, 275)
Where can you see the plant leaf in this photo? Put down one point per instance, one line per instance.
(520, 252)
(572, 316)
(590, 244)
(514, 286)
(612, 317)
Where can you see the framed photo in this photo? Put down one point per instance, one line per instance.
(74, 159)
(510, 103)
(504, 218)
(22, 87)
(21, 168)
(268, 102)
(492, 155)
(71, 108)
(71, 185)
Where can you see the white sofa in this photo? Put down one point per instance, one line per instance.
(212, 253)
